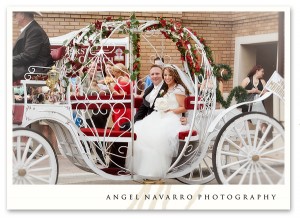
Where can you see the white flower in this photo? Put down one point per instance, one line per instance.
(45, 89)
(161, 104)
(161, 92)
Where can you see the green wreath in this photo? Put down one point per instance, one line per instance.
(218, 71)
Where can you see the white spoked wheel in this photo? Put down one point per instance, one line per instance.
(243, 154)
(34, 159)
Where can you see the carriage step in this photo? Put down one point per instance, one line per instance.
(115, 171)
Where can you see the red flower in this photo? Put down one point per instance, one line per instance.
(98, 25)
(135, 66)
(179, 44)
(165, 34)
(197, 67)
(85, 69)
(108, 18)
(163, 22)
(178, 25)
(128, 23)
(186, 43)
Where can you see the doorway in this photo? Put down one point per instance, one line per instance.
(253, 50)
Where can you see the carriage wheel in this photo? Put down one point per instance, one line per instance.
(202, 174)
(34, 159)
(242, 154)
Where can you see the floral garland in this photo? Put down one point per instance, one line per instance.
(73, 63)
(170, 29)
(239, 93)
(135, 38)
(174, 30)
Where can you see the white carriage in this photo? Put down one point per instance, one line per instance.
(225, 144)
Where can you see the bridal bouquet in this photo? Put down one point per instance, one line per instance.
(108, 80)
(161, 104)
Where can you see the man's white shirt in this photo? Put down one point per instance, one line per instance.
(22, 29)
(151, 96)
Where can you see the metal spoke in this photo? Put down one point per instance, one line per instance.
(14, 158)
(264, 136)
(271, 169)
(33, 154)
(39, 169)
(265, 174)
(251, 175)
(240, 136)
(232, 154)
(272, 151)
(26, 149)
(244, 174)
(19, 148)
(272, 160)
(269, 143)
(248, 132)
(38, 161)
(257, 174)
(39, 178)
(236, 172)
(256, 134)
(28, 180)
(235, 145)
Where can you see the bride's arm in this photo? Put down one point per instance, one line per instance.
(181, 108)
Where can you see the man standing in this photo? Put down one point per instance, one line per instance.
(32, 47)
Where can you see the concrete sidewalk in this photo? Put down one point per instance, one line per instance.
(70, 174)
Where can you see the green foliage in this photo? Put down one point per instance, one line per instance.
(239, 93)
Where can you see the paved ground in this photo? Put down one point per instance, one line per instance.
(70, 174)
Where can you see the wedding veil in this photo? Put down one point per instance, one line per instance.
(185, 79)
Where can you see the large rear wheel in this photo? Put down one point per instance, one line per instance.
(243, 154)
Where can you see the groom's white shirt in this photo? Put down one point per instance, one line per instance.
(151, 96)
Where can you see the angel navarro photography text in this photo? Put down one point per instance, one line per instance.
(182, 197)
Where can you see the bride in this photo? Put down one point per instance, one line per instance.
(157, 134)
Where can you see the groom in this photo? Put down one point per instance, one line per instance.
(151, 93)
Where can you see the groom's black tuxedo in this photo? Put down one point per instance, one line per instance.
(145, 109)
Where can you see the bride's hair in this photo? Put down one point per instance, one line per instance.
(176, 77)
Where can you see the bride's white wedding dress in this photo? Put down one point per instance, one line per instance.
(157, 140)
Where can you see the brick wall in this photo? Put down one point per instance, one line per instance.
(219, 29)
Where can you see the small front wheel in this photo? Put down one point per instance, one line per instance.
(34, 159)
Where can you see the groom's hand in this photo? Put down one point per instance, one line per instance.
(183, 120)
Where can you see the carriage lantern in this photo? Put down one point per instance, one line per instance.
(53, 75)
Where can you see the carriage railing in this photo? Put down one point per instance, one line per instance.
(83, 103)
